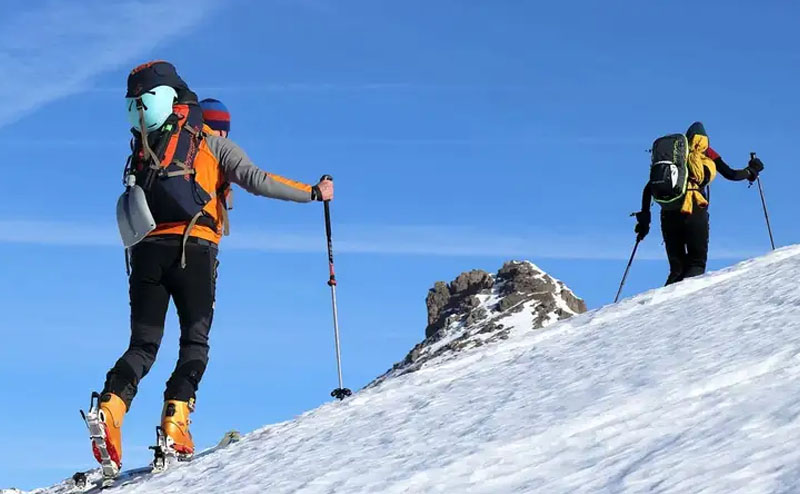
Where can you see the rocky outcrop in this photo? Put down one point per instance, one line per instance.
(471, 311)
(445, 301)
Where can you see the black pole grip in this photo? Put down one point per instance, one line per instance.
(328, 218)
(327, 205)
(332, 279)
(752, 180)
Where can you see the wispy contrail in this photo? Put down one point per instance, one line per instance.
(54, 50)
(418, 240)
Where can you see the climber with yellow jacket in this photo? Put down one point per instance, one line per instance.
(681, 173)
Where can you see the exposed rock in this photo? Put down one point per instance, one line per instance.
(471, 283)
(509, 301)
(468, 312)
(457, 298)
(524, 277)
(437, 300)
(576, 304)
(476, 315)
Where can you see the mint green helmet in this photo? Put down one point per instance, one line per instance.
(156, 105)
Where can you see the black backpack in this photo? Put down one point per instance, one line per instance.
(669, 170)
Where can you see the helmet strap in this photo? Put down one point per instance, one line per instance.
(156, 163)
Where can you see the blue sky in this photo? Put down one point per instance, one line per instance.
(460, 133)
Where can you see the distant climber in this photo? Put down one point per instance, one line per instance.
(682, 169)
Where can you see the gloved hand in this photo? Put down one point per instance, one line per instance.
(642, 225)
(754, 168)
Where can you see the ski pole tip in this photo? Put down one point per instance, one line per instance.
(341, 393)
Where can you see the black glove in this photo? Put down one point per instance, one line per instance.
(316, 195)
(754, 168)
(642, 225)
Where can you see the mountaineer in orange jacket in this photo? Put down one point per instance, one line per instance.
(185, 167)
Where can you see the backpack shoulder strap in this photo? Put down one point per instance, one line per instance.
(225, 197)
(183, 148)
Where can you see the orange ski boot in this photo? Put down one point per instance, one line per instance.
(175, 427)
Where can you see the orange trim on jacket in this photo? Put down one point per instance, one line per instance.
(291, 183)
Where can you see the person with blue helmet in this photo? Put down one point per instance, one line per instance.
(184, 172)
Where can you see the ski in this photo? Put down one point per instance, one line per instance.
(91, 483)
(230, 437)
(97, 433)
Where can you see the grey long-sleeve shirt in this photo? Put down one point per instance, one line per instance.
(238, 169)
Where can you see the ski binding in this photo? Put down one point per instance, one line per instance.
(97, 433)
(164, 452)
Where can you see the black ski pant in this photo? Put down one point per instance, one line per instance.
(686, 242)
(156, 276)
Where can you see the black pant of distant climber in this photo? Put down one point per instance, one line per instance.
(686, 242)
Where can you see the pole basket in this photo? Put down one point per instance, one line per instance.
(341, 393)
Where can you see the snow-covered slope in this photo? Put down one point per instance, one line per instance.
(691, 388)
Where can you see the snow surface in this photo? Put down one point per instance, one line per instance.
(687, 389)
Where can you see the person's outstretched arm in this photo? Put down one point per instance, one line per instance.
(238, 169)
(728, 172)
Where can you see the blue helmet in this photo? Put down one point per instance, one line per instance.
(156, 106)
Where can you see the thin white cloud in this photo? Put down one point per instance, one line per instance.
(57, 233)
(426, 240)
(56, 49)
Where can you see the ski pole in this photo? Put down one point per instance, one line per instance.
(341, 392)
(628, 268)
(764, 205)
